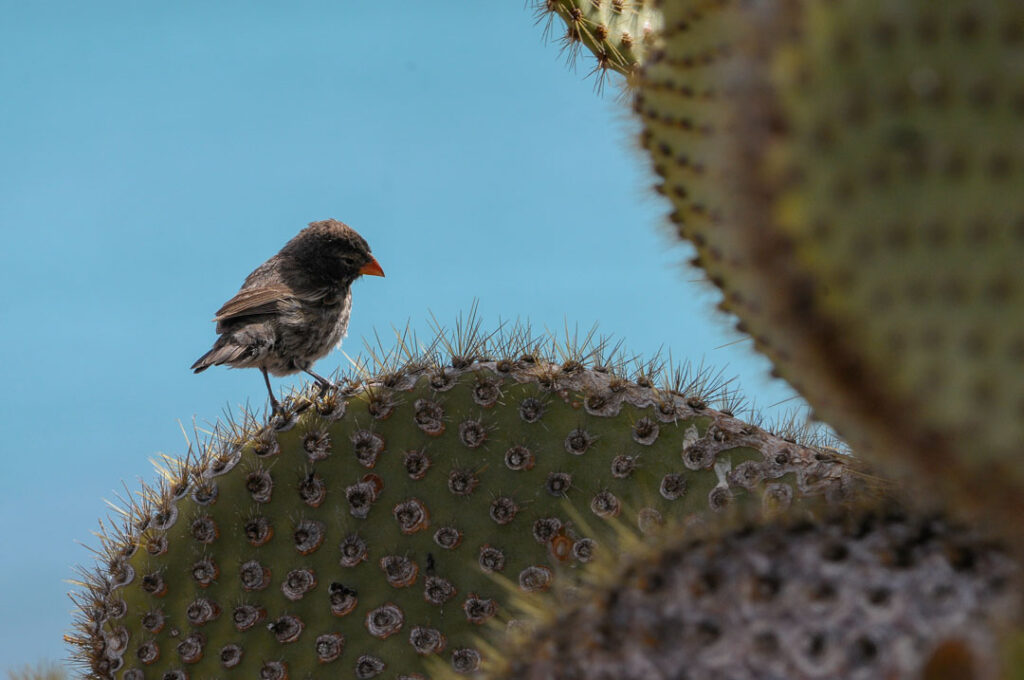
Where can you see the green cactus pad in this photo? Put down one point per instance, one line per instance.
(868, 595)
(850, 174)
(619, 33)
(373, 529)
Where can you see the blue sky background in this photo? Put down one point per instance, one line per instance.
(152, 154)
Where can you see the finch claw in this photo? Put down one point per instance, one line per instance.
(323, 383)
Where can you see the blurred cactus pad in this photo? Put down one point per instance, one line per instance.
(870, 594)
(391, 524)
(45, 670)
(850, 173)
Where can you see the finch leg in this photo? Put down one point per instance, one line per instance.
(323, 382)
(274, 405)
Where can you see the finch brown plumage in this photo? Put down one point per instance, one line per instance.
(294, 307)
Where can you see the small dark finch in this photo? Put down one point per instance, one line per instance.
(294, 307)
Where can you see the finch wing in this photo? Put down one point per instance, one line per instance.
(254, 301)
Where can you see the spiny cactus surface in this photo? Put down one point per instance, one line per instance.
(850, 174)
(372, 530)
(619, 33)
(869, 595)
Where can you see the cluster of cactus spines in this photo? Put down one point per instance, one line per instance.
(374, 528)
(849, 173)
(617, 32)
(865, 595)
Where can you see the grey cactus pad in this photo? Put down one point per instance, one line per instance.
(873, 594)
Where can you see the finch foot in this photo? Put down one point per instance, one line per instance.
(275, 405)
(323, 383)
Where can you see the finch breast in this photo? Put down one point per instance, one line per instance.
(307, 334)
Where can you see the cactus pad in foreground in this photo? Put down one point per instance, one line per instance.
(372, 529)
(870, 595)
(849, 172)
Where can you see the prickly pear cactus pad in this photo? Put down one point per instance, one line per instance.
(865, 596)
(850, 172)
(372, 529)
(619, 33)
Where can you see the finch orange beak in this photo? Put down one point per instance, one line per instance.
(372, 268)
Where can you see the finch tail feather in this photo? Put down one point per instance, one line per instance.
(202, 363)
(222, 353)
